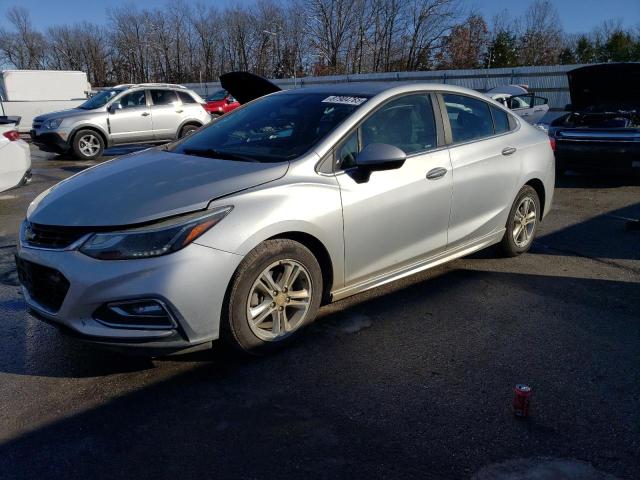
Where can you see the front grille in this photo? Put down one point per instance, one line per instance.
(37, 125)
(45, 285)
(47, 236)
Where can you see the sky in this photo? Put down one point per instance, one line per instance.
(576, 15)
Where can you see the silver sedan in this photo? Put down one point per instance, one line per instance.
(244, 229)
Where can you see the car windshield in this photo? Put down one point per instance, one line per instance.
(100, 99)
(219, 95)
(272, 129)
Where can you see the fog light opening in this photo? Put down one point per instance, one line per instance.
(142, 314)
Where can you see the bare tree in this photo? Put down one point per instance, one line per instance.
(24, 47)
(541, 40)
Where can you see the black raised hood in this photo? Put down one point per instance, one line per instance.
(245, 86)
(614, 85)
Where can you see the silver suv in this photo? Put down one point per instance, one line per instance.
(124, 114)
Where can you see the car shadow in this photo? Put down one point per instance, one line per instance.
(610, 236)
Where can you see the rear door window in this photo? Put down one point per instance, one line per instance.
(500, 120)
(185, 98)
(164, 97)
(469, 117)
(538, 101)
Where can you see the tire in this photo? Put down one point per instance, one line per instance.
(87, 145)
(526, 208)
(256, 322)
(188, 130)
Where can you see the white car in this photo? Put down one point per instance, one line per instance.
(518, 99)
(15, 156)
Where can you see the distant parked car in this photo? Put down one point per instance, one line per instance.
(15, 156)
(125, 114)
(602, 129)
(220, 103)
(517, 98)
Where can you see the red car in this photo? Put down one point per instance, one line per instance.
(220, 102)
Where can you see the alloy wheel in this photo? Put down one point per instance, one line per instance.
(524, 222)
(89, 145)
(279, 300)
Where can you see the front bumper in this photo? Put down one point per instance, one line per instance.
(191, 283)
(50, 141)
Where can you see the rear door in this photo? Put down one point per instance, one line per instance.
(486, 167)
(530, 107)
(167, 113)
(131, 123)
(395, 217)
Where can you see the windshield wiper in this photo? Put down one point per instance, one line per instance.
(211, 153)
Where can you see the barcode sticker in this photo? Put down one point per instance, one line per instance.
(345, 100)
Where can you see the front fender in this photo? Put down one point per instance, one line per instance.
(280, 207)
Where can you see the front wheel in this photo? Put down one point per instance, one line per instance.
(522, 223)
(275, 292)
(87, 145)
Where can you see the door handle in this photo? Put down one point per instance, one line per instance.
(145, 114)
(508, 151)
(179, 111)
(436, 173)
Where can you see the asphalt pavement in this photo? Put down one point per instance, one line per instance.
(410, 380)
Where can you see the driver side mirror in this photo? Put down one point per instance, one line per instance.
(380, 156)
(114, 107)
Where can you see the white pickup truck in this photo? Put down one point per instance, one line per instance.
(29, 93)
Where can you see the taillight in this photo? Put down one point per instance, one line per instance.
(12, 135)
(552, 142)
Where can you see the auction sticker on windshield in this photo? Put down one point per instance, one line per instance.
(345, 100)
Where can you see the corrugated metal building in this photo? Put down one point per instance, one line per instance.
(546, 81)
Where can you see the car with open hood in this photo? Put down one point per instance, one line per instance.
(601, 131)
(242, 230)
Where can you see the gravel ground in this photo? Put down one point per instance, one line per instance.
(410, 380)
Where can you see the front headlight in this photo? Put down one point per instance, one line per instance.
(154, 240)
(51, 124)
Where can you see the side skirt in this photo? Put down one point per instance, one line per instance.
(418, 266)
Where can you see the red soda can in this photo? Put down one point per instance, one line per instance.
(521, 399)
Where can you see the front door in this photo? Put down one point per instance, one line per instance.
(132, 122)
(394, 217)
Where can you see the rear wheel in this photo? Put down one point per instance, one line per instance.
(88, 145)
(522, 223)
(275, 292)
(187, 130)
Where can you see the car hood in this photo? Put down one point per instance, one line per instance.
(608, 85)
(245, 86)
(147, 186)
(61, 114)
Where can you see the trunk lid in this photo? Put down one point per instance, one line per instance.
(245, 86)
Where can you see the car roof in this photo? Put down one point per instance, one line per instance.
(371, 89)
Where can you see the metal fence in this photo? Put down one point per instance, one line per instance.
(546, 81)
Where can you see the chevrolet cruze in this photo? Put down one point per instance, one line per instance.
(242, 230)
